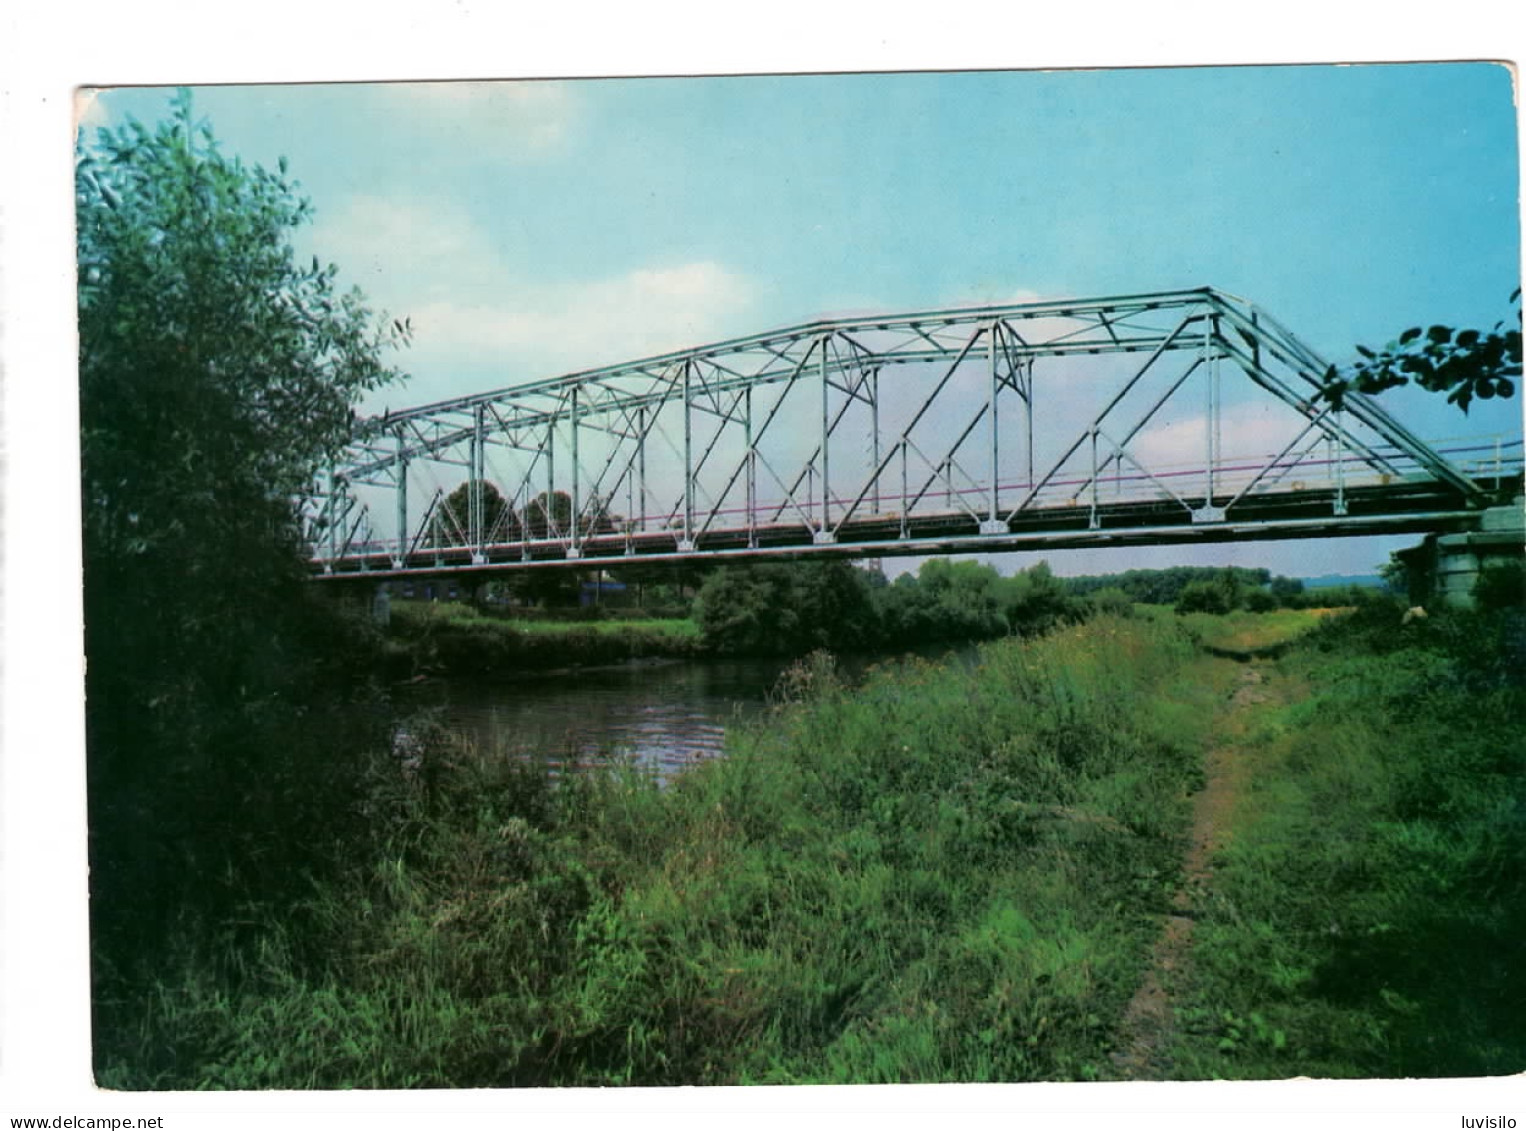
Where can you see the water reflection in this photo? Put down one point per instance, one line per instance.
(666, 716)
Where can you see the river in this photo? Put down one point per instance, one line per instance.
(665, 715)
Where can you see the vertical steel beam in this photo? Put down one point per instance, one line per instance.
(630, 502)
(577, 496)
(477, 505)
(402, 504)
(993, 523)
(1092, 521)
(641, 429)
(752, 472)
(548, 511)
(995, 430)
(687, 542)
(1028, 407)
(905, 518)
(822, 533)
(1211, 418)
(874, 426)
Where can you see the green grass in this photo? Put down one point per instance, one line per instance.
(453, 638)
(682, 628)
(1368, 916)
(949, 874)
(1242, 631)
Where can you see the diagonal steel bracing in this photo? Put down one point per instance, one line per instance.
(1173, 415)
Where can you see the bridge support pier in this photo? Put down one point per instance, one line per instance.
(1445, 567)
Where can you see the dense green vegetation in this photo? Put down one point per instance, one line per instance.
(872, 886)
(216, 374)
(951, 873)
(1369, 916)
(791, 608)
(776, 609)
(455, 639)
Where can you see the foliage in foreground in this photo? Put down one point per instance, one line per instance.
(1369, 917)
(217, 374)
(1463, 364)
(950, 874)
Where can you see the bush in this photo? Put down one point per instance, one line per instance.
(1501, 587)
(1203, 597)
(786, 608)
(1111, 602)
(1260, 601)
(1368, 912)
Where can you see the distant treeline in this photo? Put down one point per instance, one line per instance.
(1165, 586)
(792, 608)
(1217, 589)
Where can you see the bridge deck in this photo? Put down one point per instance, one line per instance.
(1384, 509)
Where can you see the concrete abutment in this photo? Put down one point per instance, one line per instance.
(1445, 568)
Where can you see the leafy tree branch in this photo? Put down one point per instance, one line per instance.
(1464, 364)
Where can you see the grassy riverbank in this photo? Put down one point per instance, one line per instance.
(951, 873)
(874, 886)
(1368, 915)
(454, 639)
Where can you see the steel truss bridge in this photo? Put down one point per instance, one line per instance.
(1176, 417)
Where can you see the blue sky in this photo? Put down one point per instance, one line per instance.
(537, 227)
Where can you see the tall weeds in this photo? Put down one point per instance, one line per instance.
(1371, 911)
(948, 874)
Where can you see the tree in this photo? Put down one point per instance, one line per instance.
(217, 374)
(1034, 600)
(1461, 363)
(550, 516)
(452, 524)
(1287, 590)
(786, 608)
(1204, 597)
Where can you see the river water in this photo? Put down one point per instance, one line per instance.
(664, 715)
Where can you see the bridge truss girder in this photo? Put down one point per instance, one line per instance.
(981, 428)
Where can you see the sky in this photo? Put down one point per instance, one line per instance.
(537, 227)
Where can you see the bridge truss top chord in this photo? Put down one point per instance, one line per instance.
(1175, 416)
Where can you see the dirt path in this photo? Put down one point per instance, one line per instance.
(1145, 1037)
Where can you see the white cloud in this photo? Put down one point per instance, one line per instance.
(1247, 432)
(529, 116)
(480, 322)
(994, 293)
(641, 312)
(1251, 429)
(398, 251)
